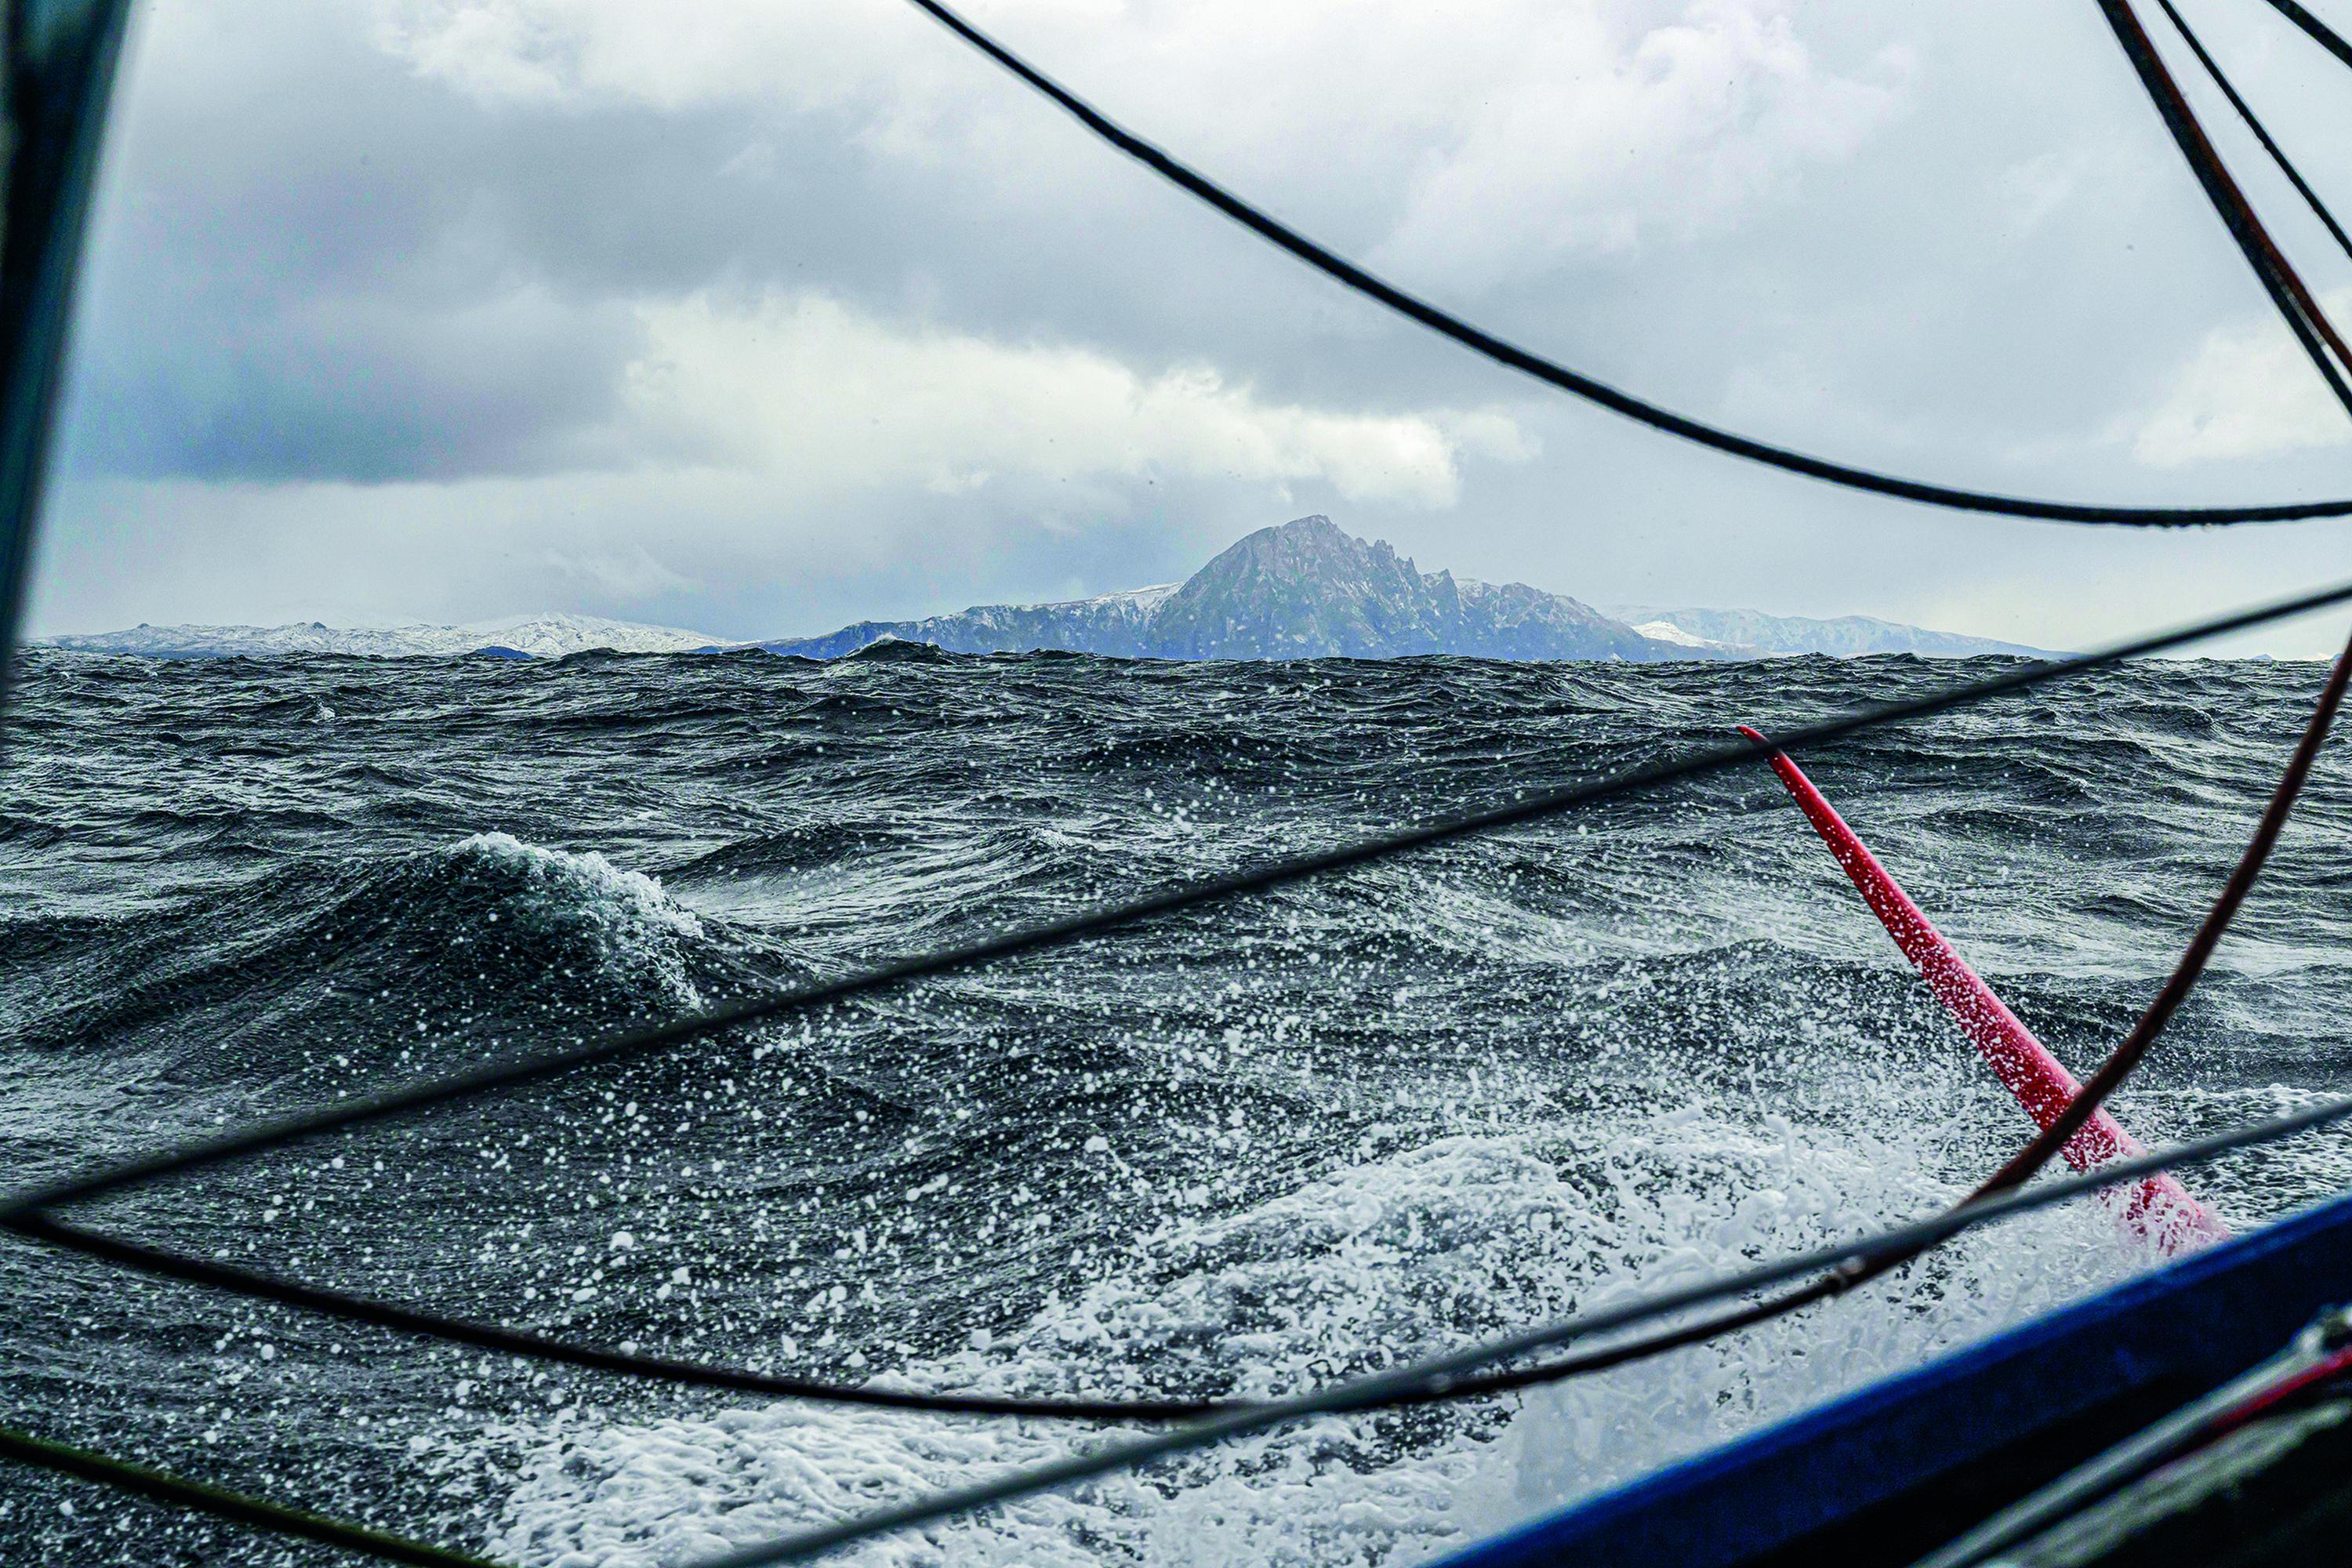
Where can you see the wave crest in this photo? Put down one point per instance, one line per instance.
(625, 916)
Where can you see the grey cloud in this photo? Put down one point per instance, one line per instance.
(313, 264)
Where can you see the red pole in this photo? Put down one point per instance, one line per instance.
(2159, 1208)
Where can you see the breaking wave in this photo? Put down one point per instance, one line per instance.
(1394, 1257)
(1237, 1152)
(634, 930)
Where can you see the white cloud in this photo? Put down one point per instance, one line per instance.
(780, 462)
(673, 55)
(832, 402)
(2247, 391)
(362, 315)
(1478, 142)
(1607, 129)
(626, 574)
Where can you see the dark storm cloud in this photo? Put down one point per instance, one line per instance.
(310, 264)
(320, 264)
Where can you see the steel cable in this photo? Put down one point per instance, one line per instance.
(199, 1496)
(2321, 344)
(2321, 33)
(2254, 124)
(29, 1219)
(1575, 383)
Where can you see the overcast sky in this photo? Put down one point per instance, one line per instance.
(758, 316)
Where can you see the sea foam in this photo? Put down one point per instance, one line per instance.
(1387, 1258)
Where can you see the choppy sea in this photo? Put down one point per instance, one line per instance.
(1239, 1151)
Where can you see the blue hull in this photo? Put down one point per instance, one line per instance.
(1891, 1472)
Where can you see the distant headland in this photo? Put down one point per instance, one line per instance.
(1306, 589)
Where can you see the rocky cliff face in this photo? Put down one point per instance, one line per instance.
(1116, 625)
(1304, 590)
(1307, 590)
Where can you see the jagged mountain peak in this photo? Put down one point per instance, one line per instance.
(1306, 589)
(1302, 589)
(1310, 545)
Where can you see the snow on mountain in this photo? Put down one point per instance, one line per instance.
(1667, 631)
(551, 635)
(1113, 624)
(1307, 589)
(548, 635)
(1754, 634)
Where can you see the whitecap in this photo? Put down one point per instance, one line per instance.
(1386, 1259)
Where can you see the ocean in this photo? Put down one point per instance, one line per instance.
(1238, 1151)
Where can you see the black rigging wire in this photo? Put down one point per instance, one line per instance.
(363, 1109)
(1420, 1380)
(2329, 354)
(1575, 383)
(1853, 1258)
(2326, 36)
(25, 1216)
(1444, 1376)
(2254, 124)
(201, 1496)
(501, 1339)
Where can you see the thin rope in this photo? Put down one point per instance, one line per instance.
(2136, 1045)
(2296, 304)
(1433, 1376)
(39, 1226)
(1576, 383)
(2326, 36)
(503, 1340)
(2254, 124)
(200, 1497)
(1853, 1257)
(363, 1109)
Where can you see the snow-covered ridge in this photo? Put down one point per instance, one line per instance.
(1758, 634)
(1304, 590)
(547, 635)
(1667, 631)
(1141, 600)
